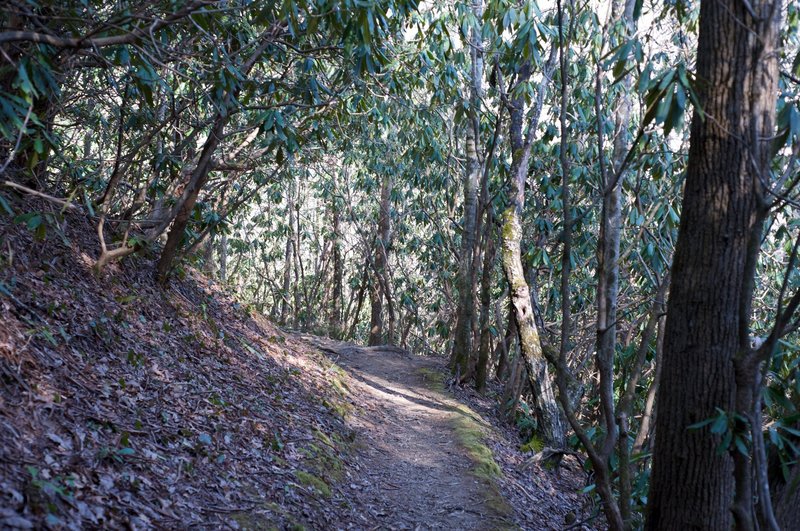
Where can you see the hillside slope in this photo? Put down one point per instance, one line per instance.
(125, 405)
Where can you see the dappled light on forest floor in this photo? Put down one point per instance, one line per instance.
(125, 404)
(432, 459)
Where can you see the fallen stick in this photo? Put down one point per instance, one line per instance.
(30, 191)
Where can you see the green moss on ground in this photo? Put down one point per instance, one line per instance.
(247, 521)
(256, 520)
(310, 480)
(470, 437)
(469, 430)
(432, 379)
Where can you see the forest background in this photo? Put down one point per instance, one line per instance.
(518, 187)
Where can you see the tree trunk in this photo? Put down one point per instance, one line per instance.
(545, 406)
(200, 174)
(511, 389)
(288, 261)
(486, 301)
(299, 274)
(462, 338)
(615, 424)
(362, 287)
(648, 415)
(692, 485)
(189, 197)
(379, 289)
(504, 345)
(223, 257)
(209, 266)
(335, 318)
(376, 312)
(465, 314)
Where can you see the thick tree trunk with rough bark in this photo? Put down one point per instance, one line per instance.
(692, 485)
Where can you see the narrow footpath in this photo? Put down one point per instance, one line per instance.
(418, 472)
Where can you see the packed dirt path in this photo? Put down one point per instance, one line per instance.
(416, 475)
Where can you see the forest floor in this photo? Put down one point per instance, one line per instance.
(437, 458)
(418, 470)
(127, 405)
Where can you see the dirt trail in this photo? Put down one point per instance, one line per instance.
(415, 473)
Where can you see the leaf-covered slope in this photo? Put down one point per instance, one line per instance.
(126, 405)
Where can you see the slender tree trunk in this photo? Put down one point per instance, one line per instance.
(486, 303)
(335, 319)
(362, 288)
(462, 338)
(209, 267)
(200, 174)
(511, 388)
(608, 243)
(299, 274)
(223, 257)
(376, 312)
(465, 316)
(288, 259)
(648, 415)
(380, 288)
(192, 191)
(704, 370)
(504, 345)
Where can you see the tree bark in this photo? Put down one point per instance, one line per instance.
(462, 339)
(504, 345)
(288, 260)
(362, 287)
(335, 318)
(189, 197)
(379, 289)
(545, 406)
(692, 485)
(648, 415)
(299, 274)
(486, 301)
(200, 174)
(223, 257)
(465, 316)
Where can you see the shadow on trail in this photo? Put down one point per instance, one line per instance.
(388, 390)
(416, 474)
